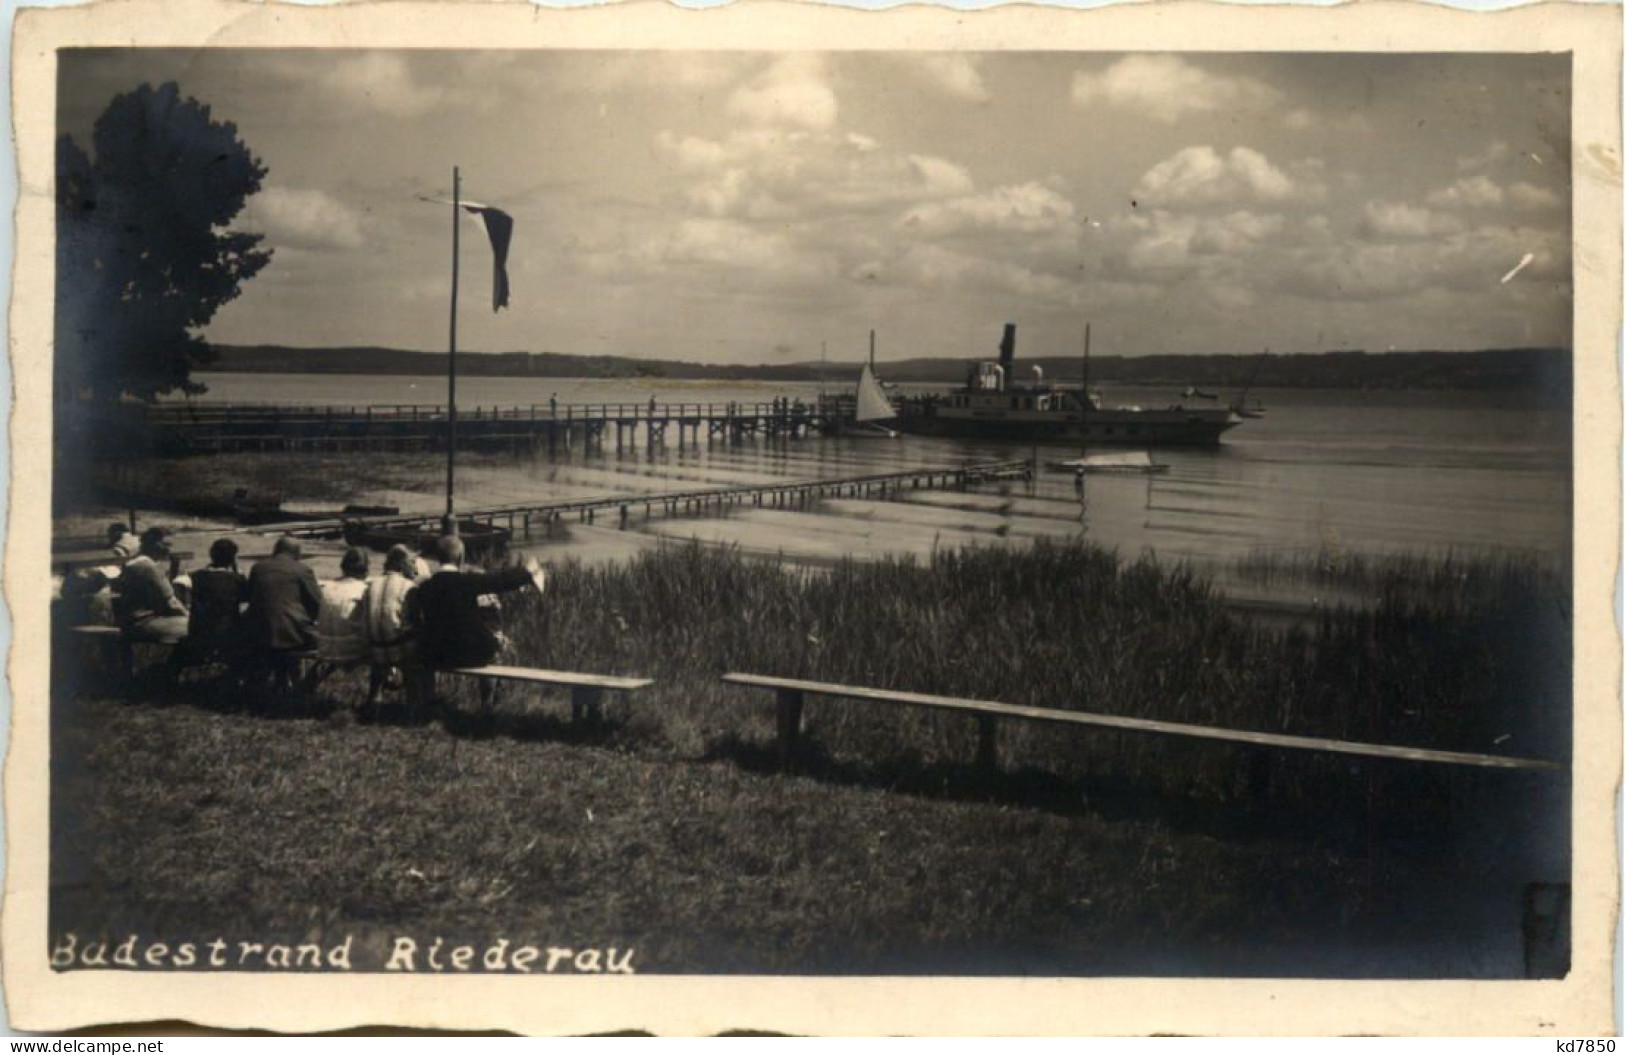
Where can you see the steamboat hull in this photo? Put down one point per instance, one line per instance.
(1127, 428)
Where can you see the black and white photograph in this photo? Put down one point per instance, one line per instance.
(1007, 513)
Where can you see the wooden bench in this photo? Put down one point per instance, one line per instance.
(109, 638)
(586, 690)
(793, 692)
(112, 642)
(96, 630)
(114, 637)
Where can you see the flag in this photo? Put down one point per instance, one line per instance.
(499, 227)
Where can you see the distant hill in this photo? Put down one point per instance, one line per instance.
(275, 359)
(1547, 370)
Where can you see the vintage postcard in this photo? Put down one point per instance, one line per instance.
(796, 519)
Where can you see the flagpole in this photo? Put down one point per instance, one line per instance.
(451, 360)
(1084, 405)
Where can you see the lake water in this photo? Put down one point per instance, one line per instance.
(1417, 472)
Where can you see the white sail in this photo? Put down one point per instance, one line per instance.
(872, 402)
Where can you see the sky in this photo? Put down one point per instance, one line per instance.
(751, 207)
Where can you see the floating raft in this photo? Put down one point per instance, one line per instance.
(1125, 462)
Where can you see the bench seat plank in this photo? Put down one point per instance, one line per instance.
(1145, 725)
(555, 677)
(72, 560)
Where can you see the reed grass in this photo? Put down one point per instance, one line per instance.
(1468, 654)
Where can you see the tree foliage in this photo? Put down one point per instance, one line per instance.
(145, 256)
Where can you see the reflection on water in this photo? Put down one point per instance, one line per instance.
(1366, 472)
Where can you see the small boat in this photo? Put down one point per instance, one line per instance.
(873, 408)
(873, 405)
(257, 508)
(1122, 462)
(479, 540)
(1192, 392)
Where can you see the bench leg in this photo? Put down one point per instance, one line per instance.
(586, 705)
(789, 722)
(320, 671)
(987, 744)
(125, 653)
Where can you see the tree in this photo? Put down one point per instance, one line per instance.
(144, 253)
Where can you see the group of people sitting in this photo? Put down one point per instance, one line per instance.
(404, 623)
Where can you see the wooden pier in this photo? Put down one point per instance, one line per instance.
(529, 520)
(215, 428)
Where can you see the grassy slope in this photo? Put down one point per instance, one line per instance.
(191, 823)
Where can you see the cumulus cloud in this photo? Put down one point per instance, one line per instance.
(1491, 155)
(1167, 88)
(1175, 244)
(1028, 208)
(1317, 229)
(767, 173)
(1234, 232)
(704, 240)
(705, 243)
(1463, 262)
(781, 205)
(1528, 196)
(1200, 175)
(683, 70)
(305, 219)
(382, 81)
(1384, 219)
(939, 268)
(1469, 192)
(959, 76)
(794, 91)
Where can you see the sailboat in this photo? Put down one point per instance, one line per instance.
(873, 405)
(478, 539)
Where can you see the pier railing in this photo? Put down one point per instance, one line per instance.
(219, 427)
(201, 412)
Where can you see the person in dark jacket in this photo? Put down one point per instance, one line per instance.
(453, 630)
(218, 594)
(283, 601)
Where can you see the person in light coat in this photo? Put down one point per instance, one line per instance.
(341, 633)
(387, 619)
